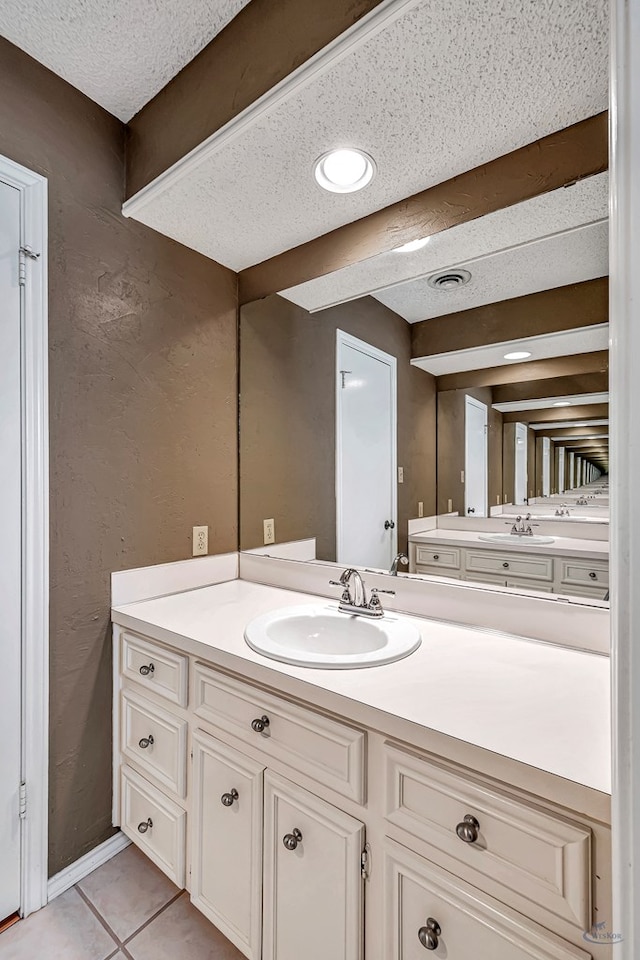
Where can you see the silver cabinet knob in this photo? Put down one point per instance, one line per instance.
(146, 742)
(227, 798)
(260, 725)
(145, 825)
(428, 935)
(146, 669)
(436, 556)
(505, 565)
(469, 829)
(291, 840)
(593, 575)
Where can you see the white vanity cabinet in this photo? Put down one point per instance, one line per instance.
(583, 577)
(303, 835)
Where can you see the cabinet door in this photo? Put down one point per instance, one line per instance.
(430, 909)
(226, 841)
(313, 889)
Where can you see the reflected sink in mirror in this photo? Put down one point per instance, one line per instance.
(319, 636)
(518, 538)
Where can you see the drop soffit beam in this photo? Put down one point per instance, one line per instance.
(574, 153)
(533, 371)
(548, 415)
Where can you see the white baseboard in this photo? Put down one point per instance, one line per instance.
(85, 865)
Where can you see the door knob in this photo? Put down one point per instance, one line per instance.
(260, 724)
(291, 840)
(389, 524)
(428, 935)
(471, 509)
(146, 742)
(469, 829)
(227, 798)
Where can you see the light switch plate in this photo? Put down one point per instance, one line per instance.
(420, 508)
(200, 541)
(400, 474)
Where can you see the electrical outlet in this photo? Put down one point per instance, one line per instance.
(449, 506)
(400, 474)
(200, 541)
(269, 527)
(420, 508)
(462, 476)
(498, 500)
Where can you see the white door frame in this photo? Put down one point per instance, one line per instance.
(35, 534)
(472, 401)
(347, 340)
(624, 302)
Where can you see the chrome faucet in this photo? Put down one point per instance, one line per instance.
(358, 604)
(519, 530)
(399, 558)
(563, 512)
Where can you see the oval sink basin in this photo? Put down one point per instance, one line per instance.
(514, 538)
(320, 636)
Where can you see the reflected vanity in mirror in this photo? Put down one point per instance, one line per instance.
(441, 411)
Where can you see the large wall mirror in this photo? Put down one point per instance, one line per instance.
(441, 409)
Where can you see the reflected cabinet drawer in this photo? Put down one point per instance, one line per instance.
(541, 857)
(594, 573)
(156, 668)
(509, 564)
(155, 823)
(155, 740)
(429, 909)
(330, 752)
(434, 556)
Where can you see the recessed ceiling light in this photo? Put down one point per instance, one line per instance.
(562, 403)
(345, 170)
(412, 245)
(517, 355)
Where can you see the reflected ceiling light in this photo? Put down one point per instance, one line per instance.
(345, 170)
(412, 245)
(562, 403)
(517, 355)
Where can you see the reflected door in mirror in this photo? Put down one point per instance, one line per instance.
(476, 458)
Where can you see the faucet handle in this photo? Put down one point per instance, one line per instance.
(375, 590)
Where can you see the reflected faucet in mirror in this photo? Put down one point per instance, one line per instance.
(358, 604)
(399, 558)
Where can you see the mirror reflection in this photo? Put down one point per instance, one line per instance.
(441, 411)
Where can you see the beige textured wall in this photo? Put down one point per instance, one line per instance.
(143, 415)
(287, 418)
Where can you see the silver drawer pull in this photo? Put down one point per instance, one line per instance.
(260, 725)
(146, 669)
(145, 825)
(146, 742)
(227, 798)
(291, 840)
(469, 829)
(593, 575)
(428, 935)
(505, 565)
(436, 556)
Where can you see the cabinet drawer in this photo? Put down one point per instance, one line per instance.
(155, 667)
(155, 823)
(442, 573)
(594, 573)
(434, 556)
(330, 752)
(509, 564)
(424, 900)
(226, 845)
(525, 584)
(154, 740)
(539, 856)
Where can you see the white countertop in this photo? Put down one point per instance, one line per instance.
(566, 546)
(536, 703)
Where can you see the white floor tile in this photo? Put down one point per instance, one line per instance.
(65, 929)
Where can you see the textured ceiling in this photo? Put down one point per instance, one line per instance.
(543, 216)
(575, 400)
(448, 85)
(581, 254)
(566, 343)
(119, 52)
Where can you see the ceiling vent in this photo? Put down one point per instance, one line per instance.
(449, 279)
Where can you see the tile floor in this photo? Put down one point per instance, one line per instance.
(124, 909)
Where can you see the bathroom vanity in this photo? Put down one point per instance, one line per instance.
(382, 813)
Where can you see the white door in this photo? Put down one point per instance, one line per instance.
(546, 466)
(226, 841)
(572, 467)
(313, 887)
(475, 457)
(366, 441)
(561, 467)
(521, 463)
(11, 555)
